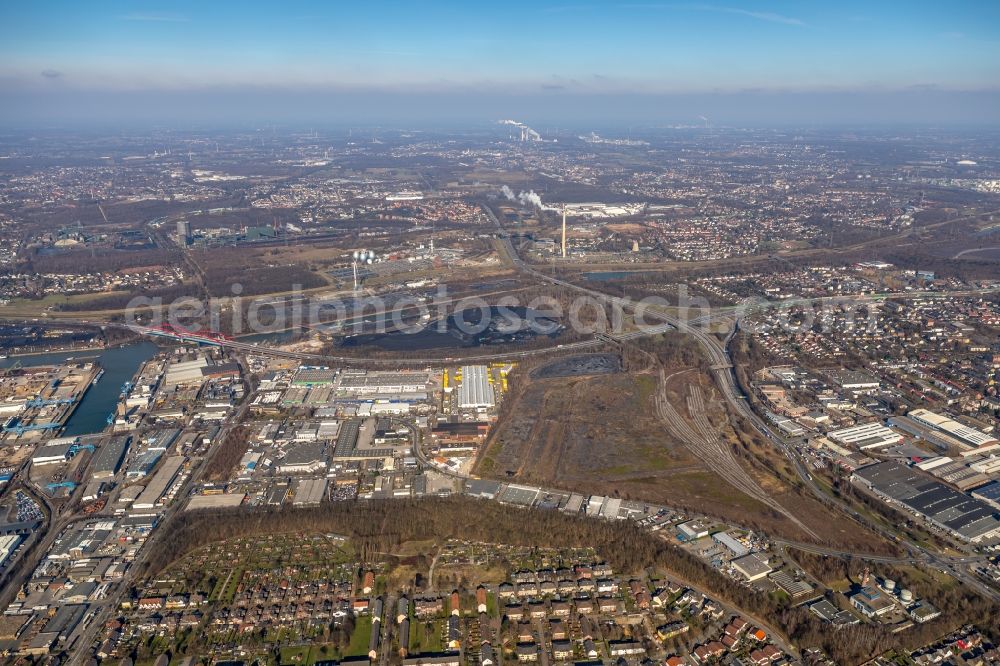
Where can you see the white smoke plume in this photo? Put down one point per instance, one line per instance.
(529, 198)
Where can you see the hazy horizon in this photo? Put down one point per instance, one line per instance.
(735, 63)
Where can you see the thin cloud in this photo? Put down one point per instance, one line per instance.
(770, 17)
(51, 73)
(566, 9)
(380, 52)
(155, 17)
(966, 39)
(761, 16)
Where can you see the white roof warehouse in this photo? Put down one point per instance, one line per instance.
(866, 436)
(475, 390)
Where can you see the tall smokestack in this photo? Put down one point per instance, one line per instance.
(564, 235)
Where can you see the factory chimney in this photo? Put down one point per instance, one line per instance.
(564, 235)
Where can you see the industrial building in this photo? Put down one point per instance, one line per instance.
(51, 453)
(751, 567)
(159, 483)
(963, 516)
(968, 437)
(866, 436)
(109, 457)
(938, 438)
(185, 372)
(734, 546)
(184, 232)
(792, 586)
(871, 602)
(983, 464)
(308, 492)
(468, 431)
(223, 501)
(827, 612)
(143, 464)
(692, 530)
(382, 384)
(307, 376)
(989, 493)
(475, 392)
(855, 380)
(347, 438)
(8, 544)
(955, 472)
(574, 504)
(305, 458)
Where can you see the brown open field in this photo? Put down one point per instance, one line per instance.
(627, 228)
(602, 435)
(258, 271)
(583, 431)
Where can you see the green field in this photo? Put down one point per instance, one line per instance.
(423, 639)
(358, 646)
(305, 655)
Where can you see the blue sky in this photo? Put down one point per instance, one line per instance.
(558, 53)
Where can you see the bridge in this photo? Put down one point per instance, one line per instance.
(201, 337)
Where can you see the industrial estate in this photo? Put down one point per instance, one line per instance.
(514, 398)
(477, 334)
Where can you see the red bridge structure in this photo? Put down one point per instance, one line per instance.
(201, 337)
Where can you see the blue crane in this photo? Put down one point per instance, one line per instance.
(76, 448)
(43, 402)
(21, 429)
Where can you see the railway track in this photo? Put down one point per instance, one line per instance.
(704, 441)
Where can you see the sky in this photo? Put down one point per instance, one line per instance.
(756, 62)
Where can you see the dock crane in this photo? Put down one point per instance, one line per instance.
(43, 402)
(19, 429)
(76, 448)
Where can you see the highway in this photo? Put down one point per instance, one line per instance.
(349, 361)
(716, 352)
(322, 359)
(718, 357)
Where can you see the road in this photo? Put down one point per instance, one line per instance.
(717, 353)
(722, 370)
(107, 606)
(348, 361)
(250, 348)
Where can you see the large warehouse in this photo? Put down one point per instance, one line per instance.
(109, 457)
(866, 436)
(968, 437)
(967, 518)
(158, 485)
(475, 391)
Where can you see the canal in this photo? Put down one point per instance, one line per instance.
(120, 365)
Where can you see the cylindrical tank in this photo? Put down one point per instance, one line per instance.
(906, 595)
(889, 584)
